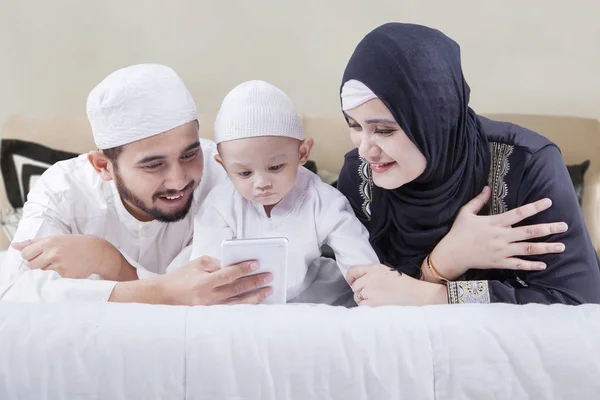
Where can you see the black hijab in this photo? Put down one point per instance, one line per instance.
(416, 72)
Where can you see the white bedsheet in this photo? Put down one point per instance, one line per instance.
(131, 351)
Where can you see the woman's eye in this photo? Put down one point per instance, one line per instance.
(355, 126)
(385, 132)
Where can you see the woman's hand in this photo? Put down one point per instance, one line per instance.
(490, 242)
(377, 285)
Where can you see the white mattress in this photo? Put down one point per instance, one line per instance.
(131, 351)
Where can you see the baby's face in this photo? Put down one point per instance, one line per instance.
(263, 169)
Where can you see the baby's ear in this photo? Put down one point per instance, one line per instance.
(304, 150)
(219, 160)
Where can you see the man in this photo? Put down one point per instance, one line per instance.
(95, 224)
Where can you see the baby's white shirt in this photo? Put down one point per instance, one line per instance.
(313, 213)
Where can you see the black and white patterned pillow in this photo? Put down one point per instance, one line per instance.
(577, 172)
(22, 163)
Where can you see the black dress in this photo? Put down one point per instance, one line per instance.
(524, 167)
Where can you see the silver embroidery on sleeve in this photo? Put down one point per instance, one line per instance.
(499, 168)
(461, 292)
(365, 188)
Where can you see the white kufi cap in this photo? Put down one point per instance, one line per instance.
(257, 108)
(137, 102)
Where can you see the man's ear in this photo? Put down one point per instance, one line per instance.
(304, 150)
(101, 165)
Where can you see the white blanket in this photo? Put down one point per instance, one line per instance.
(131, 351)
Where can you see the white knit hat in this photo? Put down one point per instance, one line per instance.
(355, 93)
(137, 102)
(257, 108)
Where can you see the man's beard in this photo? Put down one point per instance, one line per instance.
(154, 212)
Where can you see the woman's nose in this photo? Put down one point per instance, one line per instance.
(367, 149)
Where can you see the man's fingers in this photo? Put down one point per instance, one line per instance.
(30, 252)
(40, 262)
(244, 285)
(355, 273)
(251, 298)
(206, 263)
(22, 245)
(229, 274)
(211, 268)
(517, 215)
(476, 204)
(537, 231)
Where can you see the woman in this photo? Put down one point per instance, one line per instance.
(421, 155)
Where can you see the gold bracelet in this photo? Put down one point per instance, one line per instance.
(434, 271)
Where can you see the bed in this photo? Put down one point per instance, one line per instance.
(135, 351)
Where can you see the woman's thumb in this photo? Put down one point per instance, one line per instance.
(476, 204)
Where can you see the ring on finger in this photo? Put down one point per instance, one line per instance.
(358, 297)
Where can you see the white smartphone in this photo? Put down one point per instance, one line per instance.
(272, 256)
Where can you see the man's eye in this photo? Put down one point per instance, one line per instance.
(189, 156)
(152, 166)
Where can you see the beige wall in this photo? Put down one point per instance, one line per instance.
(519, 56)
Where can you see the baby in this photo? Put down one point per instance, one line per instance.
(270, 194)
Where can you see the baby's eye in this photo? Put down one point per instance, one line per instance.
(276, 167)
(244, 174)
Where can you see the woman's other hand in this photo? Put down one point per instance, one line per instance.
(490, 241)
(377, 285)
